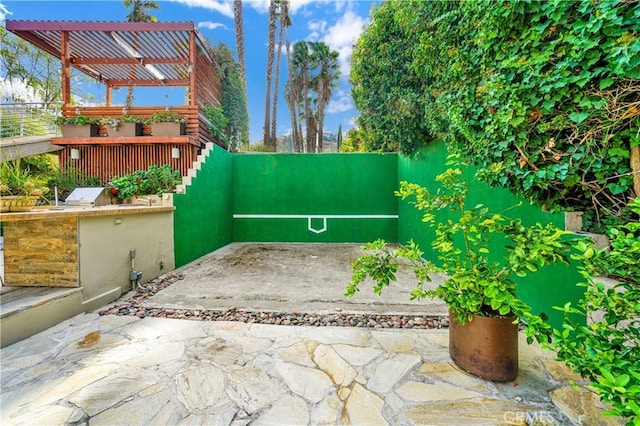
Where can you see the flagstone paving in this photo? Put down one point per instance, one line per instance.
(112, 369)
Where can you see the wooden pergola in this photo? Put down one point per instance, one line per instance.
(131, 54)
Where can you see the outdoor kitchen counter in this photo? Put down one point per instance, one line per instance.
(110, 210)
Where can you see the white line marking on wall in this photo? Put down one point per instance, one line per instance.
(310, 217)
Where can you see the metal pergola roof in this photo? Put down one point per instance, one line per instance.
(120, 53)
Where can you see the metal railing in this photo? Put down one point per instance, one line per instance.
(29, 119)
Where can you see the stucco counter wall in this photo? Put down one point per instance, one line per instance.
(88, 248)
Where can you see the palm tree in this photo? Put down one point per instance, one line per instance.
(285, 22)
(324, 83)
(292, 98)
(299, 89)
(237, 18)
(139, 13)
(271, 35)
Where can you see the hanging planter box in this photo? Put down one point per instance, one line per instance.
(79, 131)
(167, 129)
(125, 130)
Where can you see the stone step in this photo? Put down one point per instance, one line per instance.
(25, 311)
(193, 171)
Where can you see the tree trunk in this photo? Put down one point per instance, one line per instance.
(268, 141)
(276, 82)
(635, 168)
(237, 17)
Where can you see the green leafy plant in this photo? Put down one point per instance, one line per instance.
(606, 350)
(155, 180)
(127, 118)
(67, 178)
(479, 282)
(16, 180)
(219, 123)
(78, 120)
(167, 117)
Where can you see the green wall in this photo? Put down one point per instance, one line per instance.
(554, 285)
(202, 221)
(314, 185)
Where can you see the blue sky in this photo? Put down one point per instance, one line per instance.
(336, 22)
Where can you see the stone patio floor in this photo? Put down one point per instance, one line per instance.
(106, 370)
(131, 370)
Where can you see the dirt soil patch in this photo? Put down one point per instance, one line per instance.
(309, 278)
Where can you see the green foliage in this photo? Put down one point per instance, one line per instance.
(168, 116)
(233, 95)
(542, 95)
(387, 89)
(17, 179)
(67, 178)
(257, 147)
(78, 120)
(354, 141)
(607, 349)
(479, 282)
(24, 64)
(155, 180)
(219, 123)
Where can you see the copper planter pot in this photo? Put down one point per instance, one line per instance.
(486, 347)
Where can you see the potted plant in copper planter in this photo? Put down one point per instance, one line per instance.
(79, 126)
(167, 123)
(480, 290)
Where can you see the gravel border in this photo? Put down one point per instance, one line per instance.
(133, 307)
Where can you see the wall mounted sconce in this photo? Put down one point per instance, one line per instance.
(75, 154)
(175, 153)
(124, 111)
(77, 111)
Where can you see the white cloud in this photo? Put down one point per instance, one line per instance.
(343, 35)
(317, 28)
(211, 25)
(223, 7)
(339, 104)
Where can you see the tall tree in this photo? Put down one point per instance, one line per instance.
(237, 18)
(271, 35)
(324, 82)
(139, 13)
(313, 68)
(35, 71)
(284, 21)
(232, 96)
(292, 97)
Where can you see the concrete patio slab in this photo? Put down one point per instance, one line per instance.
(288, 278)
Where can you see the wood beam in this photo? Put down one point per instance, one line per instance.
(150, 82)
(66, 71)
(127, 61)
(14, 25)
